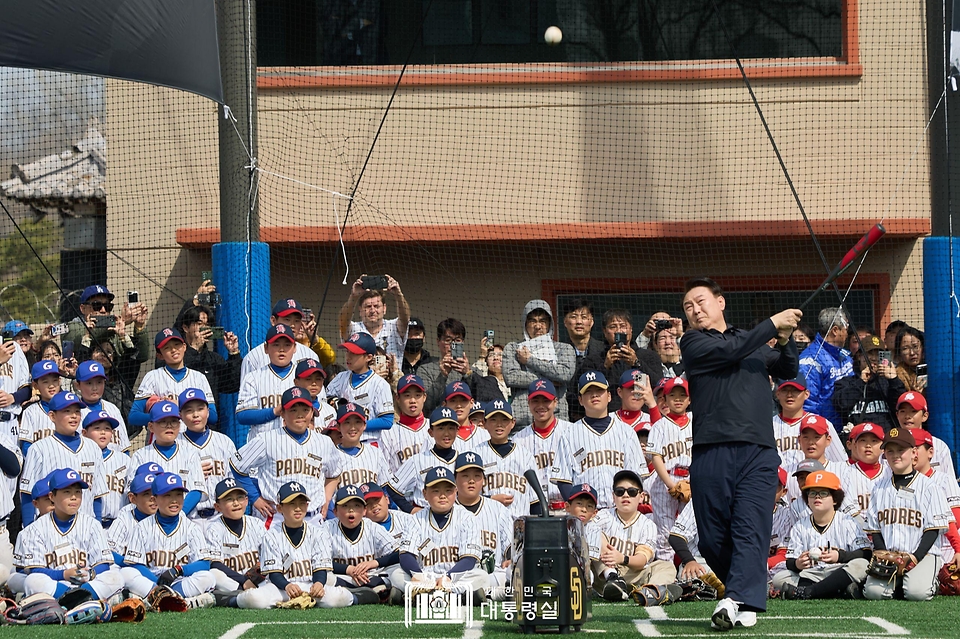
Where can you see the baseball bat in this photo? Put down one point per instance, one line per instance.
(534, 483)
(872, 237)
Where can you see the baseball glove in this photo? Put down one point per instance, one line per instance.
(166, 599)
(888, 564)
(130, 610)
(300, 602)
(38, 609)
(681, 491)
(949, 578)
(697, 590)
(89, 612)
(651, 595)
(255, 576)
(714, 582)
(74, 597)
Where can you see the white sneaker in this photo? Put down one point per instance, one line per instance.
(204, 600)
(746, 618)
(725, 615)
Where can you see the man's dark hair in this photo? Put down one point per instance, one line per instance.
(895, 325)
(705, 282)
(192, 315)
(617, 313)
(367, 294)
(575, 305)
(454, 326)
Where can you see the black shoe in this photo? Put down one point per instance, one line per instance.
(365, 596)
(226, 599)
(74, 597)
(396, 597)
(791, 591)
(616, 590)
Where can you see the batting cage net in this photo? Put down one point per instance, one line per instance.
(484, 154)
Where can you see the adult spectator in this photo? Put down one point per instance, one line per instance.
(290, 313)
(21, 333)
(388, 334)
(578, 320)
(871, 393)
(490, 365)
(414, 354)
(118, 391)
(49, 349)
(908, 351)
(645, 337)
(437, 374)
(538, 356)
(824, 362)
(667, 348)
(222, 374)
(803, 336)
(618, 356)
(890, 334)
(15, 384)
(854, 341)
(132, 348)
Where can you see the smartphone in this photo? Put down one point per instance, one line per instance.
(379, 361)
(307, 313)
(207, 276)
(374, 282)
(619, 340)
(67, 349)
(922, 376)
(59, 329)
(209, 299)
(488, 335)
(456, 350)
(216, 332)
(885, 357)
(662, 324)
(133, 297)
(105, 321)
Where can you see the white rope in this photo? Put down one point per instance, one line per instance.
(343, 248)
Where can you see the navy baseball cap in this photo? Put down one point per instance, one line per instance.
(346, 493)
(92, 291)
(371, 490)
(280, 331)
(15, 327)
(227, 486)
(799, 382)
(44, 367)
(630, 377)
(63, 477)
(164, 409)
(348, 409)
(497, 407)
(192, 395)
(307, 367)
(477, 407)
(142, 483)
(167, 482)
(578, 490)
(90, 369)
(592, 378)
(41, 488)
(542, 388)
(293, 396)
(150, 468)
(438, 474)
(467, 460)
(100, 416)
(287, 307)
(165, 336)
(416, 322)
(457, 389)
(360, 344)
(443, 415)
(65, 399)
(290, 491)
(410, 381)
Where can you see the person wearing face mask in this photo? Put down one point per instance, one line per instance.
(414, 354)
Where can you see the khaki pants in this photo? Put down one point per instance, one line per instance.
(856, 568)
(656, 572)
(920, 584)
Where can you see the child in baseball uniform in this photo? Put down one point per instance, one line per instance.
(294, 453)
(405, 489)
(41, 497)
(287, 312)
(912, 413)
(950, 541)
(867, 466)
(171, 454)
(238, 536)
(360, 384)
(825, 551)
(34, 420)
(65, 547)
(169, 380)
(814, 440)
(167, 549)
(493, 519)
(100, 426)
(141, 503)
(458, 398)
(90, 382)
(542, 437)
(42, 504)
(636, 393)
(582, 504)
(506, 462)
(11, 463)
(296, 558)
(309, 376)
(409, 434)
(908, 513)
(214, 449)
(396, 522)
(359, 463)
(259, 401)
(64, 449)
(791, 394)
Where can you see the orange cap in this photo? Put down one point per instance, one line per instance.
(822, 479)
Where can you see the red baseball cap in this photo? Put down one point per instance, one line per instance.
(676, 382)
(922, 436)
(866, 427)
(816, 423)
(914, 399)
(280, 331)
(782, 476)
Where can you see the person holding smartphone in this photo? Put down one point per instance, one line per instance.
(871, 393)
(100, 322)
(368, 295)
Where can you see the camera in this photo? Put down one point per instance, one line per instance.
(216, 332)
(104, 321)
(619, 340)
(133, 297)
(456, 350)
(662, 324)
(209, 299)
(374, 282)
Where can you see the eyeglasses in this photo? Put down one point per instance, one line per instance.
(101, 306)
(452, 340)
(910, 349)
(619, 491)
(818, 494)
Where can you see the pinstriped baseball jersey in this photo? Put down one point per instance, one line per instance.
(263, 388)
(183, 461)
(42, 545)
(951, 491)
(409, 479)
(280, 458)
(372, 543)
(50, 453)
(297, 562)
(593, 535)
(685, 527)
(365, 466)
(120, 441)
(843, 534)
(257, 358)
(402, 442)
(504, 475)
(399, 525)
(671, 441)
(217, 449)
(627, 536)
(903, 515)
(496, 527)
(860, 487)
(115, 473)
(326, 416)
(472, 442)
(160, 382)
(35, 423)
(783, 520)
(544, 451)
(587, 457)
(118, 535)
(8, 485)
(440, 547)
(151, 546)
(641, 421)
(389, 337)
(14, 375)
(942, 457)
(373, 393)
(787, 434)
(240, 553)
(842, 470)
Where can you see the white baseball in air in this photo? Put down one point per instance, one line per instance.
(815, 554)
(553, 35)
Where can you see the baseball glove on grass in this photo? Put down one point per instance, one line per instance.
(300, 602)
(888, 564)
(681, 491)
(714, 582)
(130, 610)
(35, 610)
(949, 578)
(697, 590)
(650, 595)
(166, 599)
(255, 576)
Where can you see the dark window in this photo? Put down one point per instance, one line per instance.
(352, 32)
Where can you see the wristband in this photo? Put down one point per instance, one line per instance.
(626, 561)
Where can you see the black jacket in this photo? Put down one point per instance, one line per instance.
(875, 401)
(647, 361)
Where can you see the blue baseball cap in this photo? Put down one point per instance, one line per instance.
(167, 482)
(592, 378)
(142, 483)
(41, 488)
(44, 367)
(371, 490)
(293, 396)
(467, 460)
(442, 415)
(100, 416)
(280, 331)
(192, 395)
(227, 486)
(166, 335)
(360, 344)
(290, 491)
(346, 493)
(542, 388)
(63, 477)
(477, 407)
(90, 369)
(64, 399)
(150, 468)
(15, 327)
(438, 474)
(578, 490)
(799, 382)
(287, 307)
(457, 389)
(92, 291)
(307, 367)
(348, 409)
(163, 409)
(497, 407)
(410, 381)
(630, 377)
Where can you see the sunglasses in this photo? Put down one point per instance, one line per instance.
(619, 491)
(818, 494)
(101, 306)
